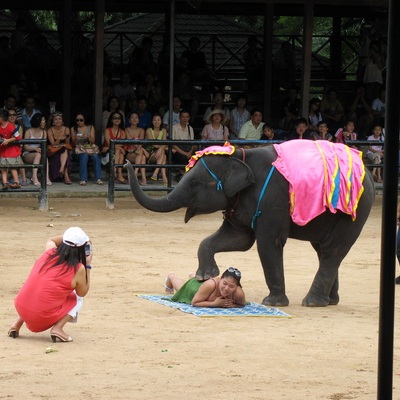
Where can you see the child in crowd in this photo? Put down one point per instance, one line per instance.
(268, 133)
(346, 133)
(322, 132)
(9, 155)
(375, 152)
(300, 131)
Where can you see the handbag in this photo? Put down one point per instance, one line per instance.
(53, 149)
(89, 149)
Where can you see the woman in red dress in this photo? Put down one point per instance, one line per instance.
(53, 292)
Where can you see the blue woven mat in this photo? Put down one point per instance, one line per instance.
(250, 310)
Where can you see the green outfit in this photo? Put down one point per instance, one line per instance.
(186, 293)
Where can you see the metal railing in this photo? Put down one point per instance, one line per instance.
(43, 204)
(112, 188)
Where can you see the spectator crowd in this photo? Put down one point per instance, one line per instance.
(135, 109)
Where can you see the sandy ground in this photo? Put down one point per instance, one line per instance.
(129, 348)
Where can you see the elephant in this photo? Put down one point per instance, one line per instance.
(241, 177)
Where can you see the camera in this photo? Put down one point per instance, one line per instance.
(1, 140)
(88, 249)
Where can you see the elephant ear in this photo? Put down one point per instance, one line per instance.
(237, 177)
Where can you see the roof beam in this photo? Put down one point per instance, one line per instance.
(348, 8)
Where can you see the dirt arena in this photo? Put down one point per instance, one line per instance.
(128, 348)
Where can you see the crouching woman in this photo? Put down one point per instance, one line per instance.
(222, 292)
(53, 293)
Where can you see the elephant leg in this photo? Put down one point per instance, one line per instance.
(333, 297)
(271, 255)
(229, 237)
(324, 290)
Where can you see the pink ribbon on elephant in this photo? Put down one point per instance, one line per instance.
(226, 150)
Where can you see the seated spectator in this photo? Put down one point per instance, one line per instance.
(252, 129)
(322, 132)
(107, 90)
(253, 62)
(59, 150)
(112, 106)
(285, 66)
(218, 105)
(15, 90)
(374, 65)
(28, 111)
(176, 108)
(215, 129)
(375, 152)
(300, 131)
(145, 116)
(163, 64)
(314, 114)
(196, 63)
(136, 153)
(157, 152)
(11, 102)
(361, 112)
(239, 115)
(49, 109)
(187, 93)
(125, 92)
(151, 90)
(379, 107)
(181, 153)
(83, 139)
(268, 133)
(332, 110)
(12, 118)
(346, 133)
(32, 153)
(142, 60)
(115, 131)
(9, 155)
(290, 109)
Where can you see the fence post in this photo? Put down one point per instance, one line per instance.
(43, 198)
(111, 182)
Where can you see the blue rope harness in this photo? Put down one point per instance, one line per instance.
(219, 183)
(264, 188)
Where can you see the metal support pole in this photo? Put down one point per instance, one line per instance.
(307, 56)
(389, 208)
(99, 69)
(268, 56)
(67, 61)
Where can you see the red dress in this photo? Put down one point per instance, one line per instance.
(47, 295)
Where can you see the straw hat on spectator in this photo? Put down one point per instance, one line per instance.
(214, 112)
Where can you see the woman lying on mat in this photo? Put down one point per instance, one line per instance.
(225, 291)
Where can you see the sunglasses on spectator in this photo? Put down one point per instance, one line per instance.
(79, 120)
(235, 271)
(12, 115)
(116, 117)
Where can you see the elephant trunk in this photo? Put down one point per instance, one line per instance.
(167, 203)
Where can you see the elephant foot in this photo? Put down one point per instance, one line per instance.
(312, 300)
(272, 300)
(333, 301)
(207, 273)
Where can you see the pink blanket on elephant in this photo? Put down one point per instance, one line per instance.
(321, 175)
